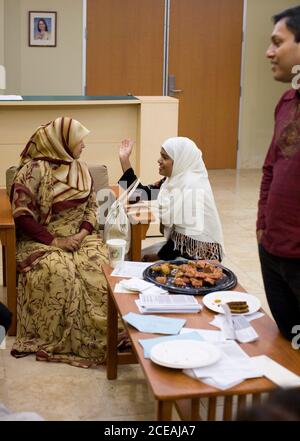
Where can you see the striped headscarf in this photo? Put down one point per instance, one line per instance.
(55, 142)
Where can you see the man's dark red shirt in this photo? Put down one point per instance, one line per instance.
(279, 203)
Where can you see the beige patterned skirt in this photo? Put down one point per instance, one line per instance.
(62, 304)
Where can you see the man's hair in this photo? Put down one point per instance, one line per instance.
(292, 16)
(281, 405)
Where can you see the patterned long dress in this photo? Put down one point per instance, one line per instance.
(62, 295)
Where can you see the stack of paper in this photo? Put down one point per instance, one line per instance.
(234, 367)
(167, 303)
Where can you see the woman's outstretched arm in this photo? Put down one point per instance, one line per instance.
(149, 192)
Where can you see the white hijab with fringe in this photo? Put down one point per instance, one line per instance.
(186, 203)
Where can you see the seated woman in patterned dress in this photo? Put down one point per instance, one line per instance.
(186, 203)
(62, 292)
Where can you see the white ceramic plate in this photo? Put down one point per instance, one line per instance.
(184, 354)
(215, 299)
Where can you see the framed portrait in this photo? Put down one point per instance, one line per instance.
(42, 28)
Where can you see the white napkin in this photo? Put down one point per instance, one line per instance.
(219, 319)
(275, 372)
(139, 285)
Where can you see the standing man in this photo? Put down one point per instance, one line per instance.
(278, 221)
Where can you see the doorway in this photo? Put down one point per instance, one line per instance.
(126, 50)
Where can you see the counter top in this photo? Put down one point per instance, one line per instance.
(56, 100)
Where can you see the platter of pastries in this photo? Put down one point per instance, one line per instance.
(190, 276)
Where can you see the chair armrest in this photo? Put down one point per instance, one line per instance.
(6, 217)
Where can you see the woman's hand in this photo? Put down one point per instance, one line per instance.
(125, 150)
(80, 236)
(69, 243)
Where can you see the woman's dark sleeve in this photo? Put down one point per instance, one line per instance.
(149, 192)
(29, 226)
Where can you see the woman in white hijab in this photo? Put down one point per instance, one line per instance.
(186, 203)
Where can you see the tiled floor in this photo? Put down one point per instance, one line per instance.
(62, 392)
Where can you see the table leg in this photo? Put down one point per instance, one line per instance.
(212, 405)
(164, 410)
(11, 271)
(188, 409)
(256, 399)
(112, 339)
(138, 233)
(136, 242)
(227, 411)
(242, 401)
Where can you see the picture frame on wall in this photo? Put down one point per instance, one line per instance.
(42, 28)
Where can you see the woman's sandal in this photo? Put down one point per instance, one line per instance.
(124, 342)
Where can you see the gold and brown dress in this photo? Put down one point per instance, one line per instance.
(62, 295)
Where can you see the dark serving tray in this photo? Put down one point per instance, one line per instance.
(228, 281)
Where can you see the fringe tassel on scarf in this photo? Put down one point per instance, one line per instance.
(196, 249)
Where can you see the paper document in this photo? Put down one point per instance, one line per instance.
(167, 310)
(11, 98)
(276, 372)
(169, 300)
(167, 303)
(130, 269)
(154, 324)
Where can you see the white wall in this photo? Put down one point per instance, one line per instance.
(2, 32)
(260, 92)
(12, 47)
(44, 70)
(1, 36)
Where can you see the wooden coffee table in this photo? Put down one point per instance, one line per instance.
(170, 386)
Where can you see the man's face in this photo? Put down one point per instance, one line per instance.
(284, 52)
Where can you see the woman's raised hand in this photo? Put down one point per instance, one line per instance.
(125, 148)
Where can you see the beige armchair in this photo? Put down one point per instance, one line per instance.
(99, 174)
